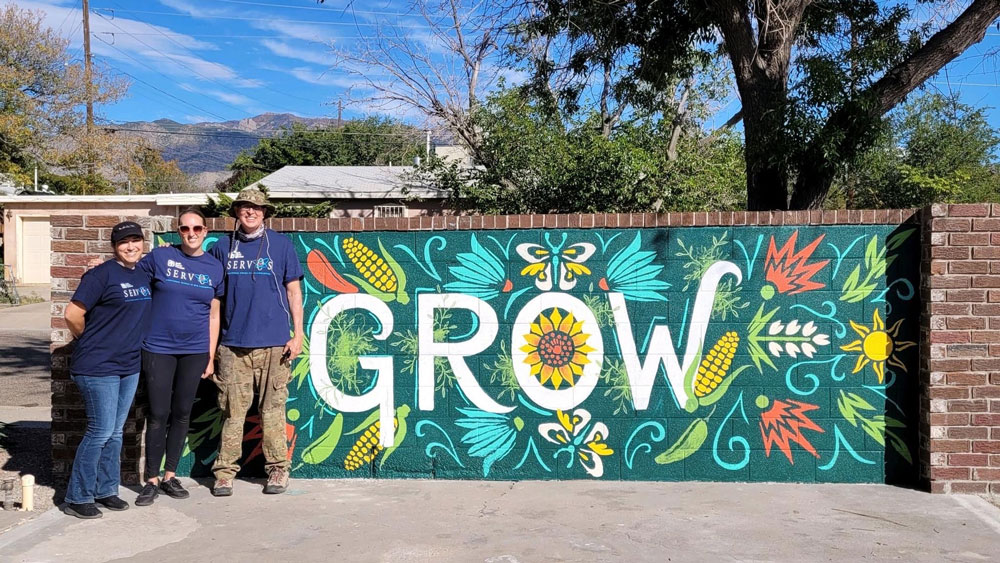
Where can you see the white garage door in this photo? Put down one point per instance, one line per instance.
(34, 260)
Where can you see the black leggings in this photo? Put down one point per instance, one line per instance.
(171, 383)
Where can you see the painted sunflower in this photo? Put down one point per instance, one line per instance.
(557, 348)
(877, 346)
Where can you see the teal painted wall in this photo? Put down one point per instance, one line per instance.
(701, 353)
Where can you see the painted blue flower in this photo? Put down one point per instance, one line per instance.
(491, 436)
(481, 273)
(632, 273)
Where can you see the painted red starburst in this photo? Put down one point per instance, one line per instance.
(256, 433)
(783, 424)
(788, 270)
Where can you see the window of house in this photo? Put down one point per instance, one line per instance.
(390, 211)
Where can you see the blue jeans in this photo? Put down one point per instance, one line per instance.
(97, 466)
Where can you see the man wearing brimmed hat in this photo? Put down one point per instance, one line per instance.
(261, 335)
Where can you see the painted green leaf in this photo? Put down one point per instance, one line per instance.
(720, 391)
(853, 291)
(401, 413)
(871, 253)
(401, 297)
(322, 447)
(689, 442)
(897, 240)
(367, 422)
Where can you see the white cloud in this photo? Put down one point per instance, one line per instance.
(312, 76)
(142, 45)
(317, 55)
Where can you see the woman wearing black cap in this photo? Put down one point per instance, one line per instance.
(107, 315)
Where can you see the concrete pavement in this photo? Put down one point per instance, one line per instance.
(421, 520)
(25, 396)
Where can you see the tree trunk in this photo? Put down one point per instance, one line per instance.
(767, 170)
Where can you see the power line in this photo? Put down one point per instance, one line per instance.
(195, 71)
(199, 108)
(173, 59)
(116, 127)
(269, 20)
(286, 6)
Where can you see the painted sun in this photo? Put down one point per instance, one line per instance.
(557, 348)
(877, 346)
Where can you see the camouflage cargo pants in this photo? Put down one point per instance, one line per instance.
(240, 372)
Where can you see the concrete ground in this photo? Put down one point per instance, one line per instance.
(441, 521)
(25, 416)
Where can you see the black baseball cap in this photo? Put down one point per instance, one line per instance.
(126, 229)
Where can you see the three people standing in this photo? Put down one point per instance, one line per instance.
(172, 305)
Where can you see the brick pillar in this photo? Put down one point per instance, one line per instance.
(76, 240)
(960, 355)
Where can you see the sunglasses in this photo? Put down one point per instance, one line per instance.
(196, 229)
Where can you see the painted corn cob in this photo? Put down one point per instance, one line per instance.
(366, 447)
(713, 376)
(381, 275)
(715, 365)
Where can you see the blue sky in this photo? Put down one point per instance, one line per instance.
(215, 60)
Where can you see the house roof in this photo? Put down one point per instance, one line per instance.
(346, 182)
(157, 199)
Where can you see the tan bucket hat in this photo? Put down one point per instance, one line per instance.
(253, 196)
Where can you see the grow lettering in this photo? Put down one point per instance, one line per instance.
(641, 371)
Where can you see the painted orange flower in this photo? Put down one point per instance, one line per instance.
(257, 433)
(783, 424)
(557, 348)
(787, 269)
(877, 346)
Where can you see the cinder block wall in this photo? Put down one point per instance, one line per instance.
(959, 349)
(961, 362)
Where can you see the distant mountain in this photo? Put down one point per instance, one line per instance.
(211, 146)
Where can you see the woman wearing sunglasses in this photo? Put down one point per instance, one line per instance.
(179, 349)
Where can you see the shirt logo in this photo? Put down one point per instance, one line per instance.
(235, 254)
(130, 293)
(263, 264)
(175, 265)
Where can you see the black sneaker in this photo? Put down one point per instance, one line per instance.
(173, 489)
(86, 511)
(148, 494)
(112, 503)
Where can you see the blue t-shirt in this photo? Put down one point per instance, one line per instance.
(117, 301)
(183, 289)
(255, 313)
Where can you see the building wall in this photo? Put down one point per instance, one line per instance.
(859, 404)
(960, 365)
(365, 208)
(15, 213)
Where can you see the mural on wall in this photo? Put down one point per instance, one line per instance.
(699, 353)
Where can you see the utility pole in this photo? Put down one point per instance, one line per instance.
(88, 76)
(427, 147)
(340, 112)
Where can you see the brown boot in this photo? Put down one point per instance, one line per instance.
(277, 482)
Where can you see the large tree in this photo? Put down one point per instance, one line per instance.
(815, 77)
(373, 141)
(937, 150)
(535, 159)
(42, 92)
